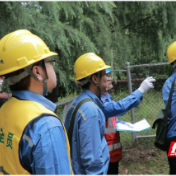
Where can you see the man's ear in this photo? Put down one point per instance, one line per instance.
(38, 72)
(94, 79)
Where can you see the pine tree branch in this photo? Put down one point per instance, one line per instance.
(126, 27)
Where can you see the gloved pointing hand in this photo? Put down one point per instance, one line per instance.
(147, 84)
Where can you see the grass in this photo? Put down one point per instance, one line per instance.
(145, 160)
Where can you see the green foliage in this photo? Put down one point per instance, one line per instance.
(136, 31)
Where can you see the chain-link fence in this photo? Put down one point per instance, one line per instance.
(149, 107)
(62, 108)
(152, 100)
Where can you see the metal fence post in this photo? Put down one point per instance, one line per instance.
(130, 91)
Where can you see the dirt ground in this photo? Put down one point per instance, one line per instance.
(144, 161)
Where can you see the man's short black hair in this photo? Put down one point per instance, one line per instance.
(86, 86)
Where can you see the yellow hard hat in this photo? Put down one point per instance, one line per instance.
(171, 52)
(87, 64)
(20, 49)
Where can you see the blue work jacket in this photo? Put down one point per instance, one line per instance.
(108, 98)
(90, 153)
(171, 120)
(121, 107)
(45, 151)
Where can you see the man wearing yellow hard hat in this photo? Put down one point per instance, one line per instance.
(85, 119)
(32, 138)
(171, 119)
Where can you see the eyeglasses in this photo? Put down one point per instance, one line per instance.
(52, 62)
(107, 74)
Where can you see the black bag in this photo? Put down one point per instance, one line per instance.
(161, 132)
(161, 123)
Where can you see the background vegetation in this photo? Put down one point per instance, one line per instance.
(137, 32)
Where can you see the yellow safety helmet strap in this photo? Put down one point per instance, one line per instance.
(15, 79)
(97, 86)
(84, 81)
(29, 71)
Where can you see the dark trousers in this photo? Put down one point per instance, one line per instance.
(171, 160)
(113, 168)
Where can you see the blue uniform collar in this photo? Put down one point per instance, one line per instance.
(103, 96)
(27, 95)
(93, 96)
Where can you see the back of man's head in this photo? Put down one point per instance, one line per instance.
(19, 51)
(87, 65)
(171, 54)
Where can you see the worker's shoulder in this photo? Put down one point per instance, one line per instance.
(84, 98)
(168, 81)
(89, 110)
(85, 102)
(47, 122)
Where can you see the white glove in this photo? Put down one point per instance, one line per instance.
(129, 124)
(147, 84)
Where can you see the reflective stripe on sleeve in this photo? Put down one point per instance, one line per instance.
(28, 139)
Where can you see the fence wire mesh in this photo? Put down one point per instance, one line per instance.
(151, 104)
(149, 107)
